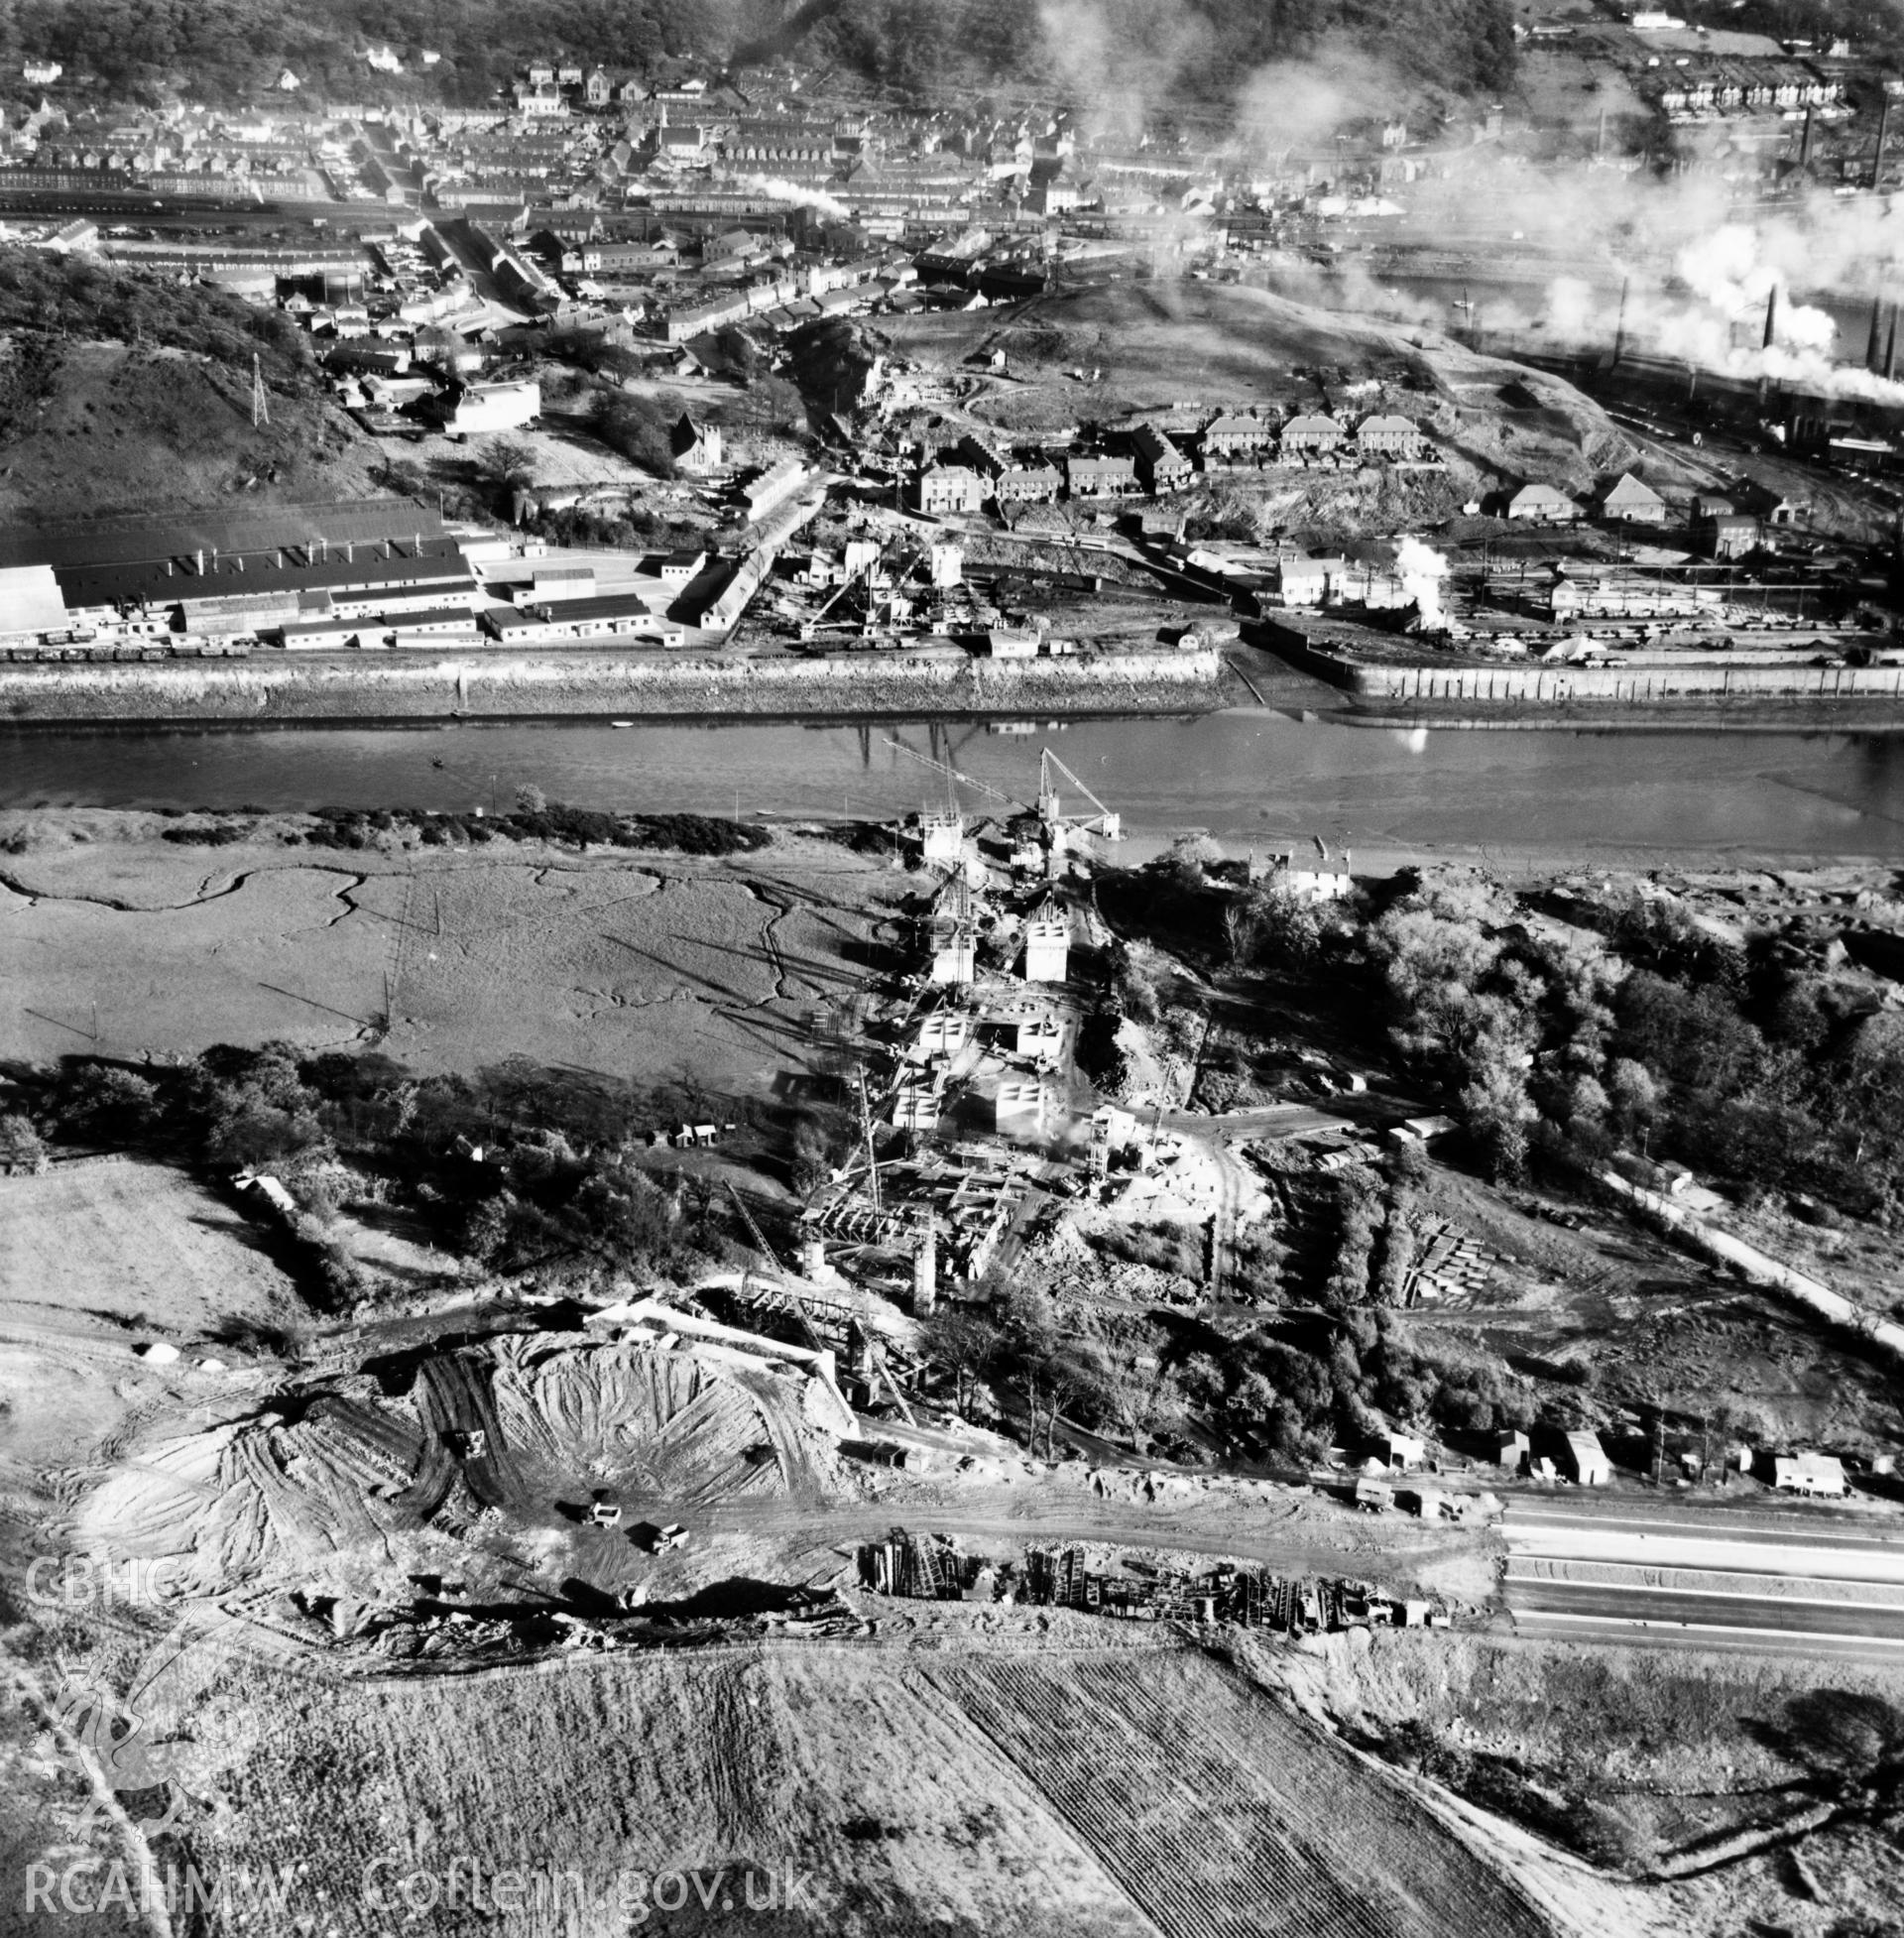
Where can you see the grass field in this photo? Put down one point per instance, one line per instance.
(131, 1243)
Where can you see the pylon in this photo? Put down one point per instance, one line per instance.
(260, 401)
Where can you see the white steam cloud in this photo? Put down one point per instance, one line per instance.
(1421, 570)
(796, 196)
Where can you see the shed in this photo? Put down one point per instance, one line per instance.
(1725, 537)
(1584, 1460)
(31, 600)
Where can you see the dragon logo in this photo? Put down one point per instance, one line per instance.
(118, 1741)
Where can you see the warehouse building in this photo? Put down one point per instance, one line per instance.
(614, 615)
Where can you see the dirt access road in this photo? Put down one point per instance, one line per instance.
(1291, 1536)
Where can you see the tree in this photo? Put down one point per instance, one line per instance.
(106, 1103)
(400, 475)
(530, 799)
(967, 1344)
(1188, 858)
(1272, 923)
(506, 462)
(22, 1148)
(1631, 1093)
(637, 427)
(252, 1108)
(1133, 988)
(1499, 1111)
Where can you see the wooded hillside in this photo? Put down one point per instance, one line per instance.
(1198, 51)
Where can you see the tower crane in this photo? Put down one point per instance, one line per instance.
(754, 1231)
(1105, 824)
(952, 774)
(809, 627)
(954, 817)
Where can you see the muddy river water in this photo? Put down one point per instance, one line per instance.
(1258, 777)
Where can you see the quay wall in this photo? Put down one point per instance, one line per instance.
(263, 691)
(1649, 684)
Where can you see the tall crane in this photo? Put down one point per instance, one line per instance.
(944, 840)
(1105, 824)
(872, 1151)
(952, 774)
(809, 627)
(754, 1231)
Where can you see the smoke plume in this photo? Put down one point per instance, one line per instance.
(796, 196)
(1421, 570)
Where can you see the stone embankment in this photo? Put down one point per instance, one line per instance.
(1623, 685)
(262, 690)
(1640, 683)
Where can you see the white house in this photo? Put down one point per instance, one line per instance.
(1815, 1474)
(484, 409)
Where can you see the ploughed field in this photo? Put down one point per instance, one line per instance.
(1133, 1788)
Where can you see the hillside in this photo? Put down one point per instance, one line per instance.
(120, 392)
(1179, 58)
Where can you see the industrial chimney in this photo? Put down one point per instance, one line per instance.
(1884, 133)
(1771, 317)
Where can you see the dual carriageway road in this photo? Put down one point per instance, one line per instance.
(1797, 1580)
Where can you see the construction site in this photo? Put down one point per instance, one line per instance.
(827, 1485)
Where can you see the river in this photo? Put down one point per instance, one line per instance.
(1252, 777)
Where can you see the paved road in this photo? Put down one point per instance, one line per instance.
(1546, 1627)
(1712, 1555)
(1679, 1609)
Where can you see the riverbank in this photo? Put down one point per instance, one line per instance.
(594, 686)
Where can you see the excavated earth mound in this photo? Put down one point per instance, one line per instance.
(517, 1434)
